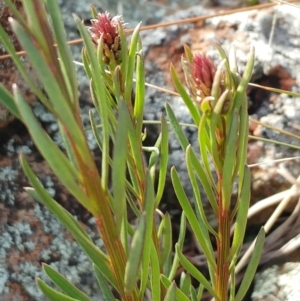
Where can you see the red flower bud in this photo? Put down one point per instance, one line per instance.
(202, 71)
(107, 28)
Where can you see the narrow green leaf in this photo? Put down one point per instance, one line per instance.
(52, 294)
(65, 285)
(196, 191)
(58, 162)
(155, 274)
(20, 66)
(241, 90)
(34, 20)
(204, 145)
(131, 63)
(166, 240)
(94, 12)
(241, 219)
(64, 50)
(241, 104)
(124, 49)
(232, 285)
(223, 55)
(189, 212)
(149, 206)
(252, 266)
(154, 150)
(41, 195)
(8, 101)
(194, 272)
(164, 153)
(186, 98)
(100, 97)
(229, 162)
(200, 292)
(171, 292)
(193, 294)
(61, 107)
(67, 144)
(177, 128)
(117, 84)
(180, 244)
(188, 53)
(218, 101)
(202, 176)
(12, 7)
(213, 123)
(134, 178)
(185, 283)
(86, 63)
(105, 288)
(137, 162)
(119, 166)
(242, 149)
(135, 256)
(180, 296)
(140, 91)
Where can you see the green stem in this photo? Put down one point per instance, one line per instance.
(223, 248)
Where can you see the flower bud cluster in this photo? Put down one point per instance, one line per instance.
(203, 72)
(107, 28)
(208, 84)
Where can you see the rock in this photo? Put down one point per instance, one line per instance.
(278, 283)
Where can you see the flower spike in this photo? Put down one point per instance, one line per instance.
(107, 29)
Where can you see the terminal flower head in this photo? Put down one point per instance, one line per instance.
(202, 72)
(107, 28)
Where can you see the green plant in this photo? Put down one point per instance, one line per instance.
(137, 259)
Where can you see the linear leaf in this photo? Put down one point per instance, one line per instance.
(180, 244)
(131, 62)
(194, 272)
(252, 266)
(105, 288)
(100, 97)
(155, 274)
(20, 66)
(51, 293)
(63, 48)
(135, 256)
(199, 169)
(177, 128)
(119, 166)
(140, 91)
(171, 292)
(166, 240)
(93, 252)
(61, 107)
(186, 98)
(8, 101)
(185, 283)
(196, 191)
(149, 205)
(58, 162)
(229, 162)
(180, 296)
(64, 284)
(189, 212)
(163, 166)
(241, 219)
